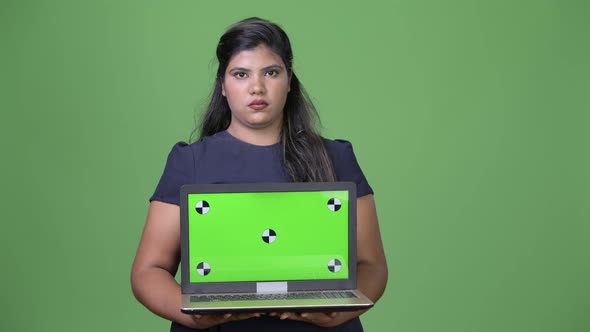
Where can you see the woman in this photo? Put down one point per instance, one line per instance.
(258, 128)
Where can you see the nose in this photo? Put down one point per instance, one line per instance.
(257, 87)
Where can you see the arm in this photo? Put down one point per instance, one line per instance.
(371, 268)
(156, 263)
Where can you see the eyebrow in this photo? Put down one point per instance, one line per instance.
(274, 66)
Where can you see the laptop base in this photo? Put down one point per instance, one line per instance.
(297, 303)
(212, 311)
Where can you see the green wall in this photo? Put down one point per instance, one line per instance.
(469, 118)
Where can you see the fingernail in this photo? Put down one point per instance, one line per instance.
(303, 315)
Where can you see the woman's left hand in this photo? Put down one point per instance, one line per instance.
(324, 319)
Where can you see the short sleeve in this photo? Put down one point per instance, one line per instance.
(347, 167)
(179, 170)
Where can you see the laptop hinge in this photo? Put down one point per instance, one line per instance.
(271, 287)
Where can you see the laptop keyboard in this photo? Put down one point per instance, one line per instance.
(273, 296)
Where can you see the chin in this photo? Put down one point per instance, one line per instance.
(261, 123)
(258, 126)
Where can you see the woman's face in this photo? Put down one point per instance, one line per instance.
(256, 85)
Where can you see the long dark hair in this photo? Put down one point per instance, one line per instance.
(305, 158)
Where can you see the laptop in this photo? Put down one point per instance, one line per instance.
(269, 247)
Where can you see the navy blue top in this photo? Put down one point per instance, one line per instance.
(222, 158)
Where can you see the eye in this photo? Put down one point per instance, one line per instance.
(240, 75)
(272, 73)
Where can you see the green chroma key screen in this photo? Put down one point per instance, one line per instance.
(266, 236)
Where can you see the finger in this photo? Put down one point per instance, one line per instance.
(242, 316)
(296, 316)
(311, 315)
(318, 317)
(248, 315)
(320, 314)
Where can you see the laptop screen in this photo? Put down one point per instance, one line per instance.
(268, 236)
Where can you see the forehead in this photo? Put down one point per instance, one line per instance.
(258, 57)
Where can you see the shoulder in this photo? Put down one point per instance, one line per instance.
(184, 149)
(181, 152)
(346, 165)
(338, 148)
(341, 153)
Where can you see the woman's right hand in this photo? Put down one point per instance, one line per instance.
(207, 321)
(155, 265)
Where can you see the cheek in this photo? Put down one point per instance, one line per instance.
(282, 88)
(234, 100)
(229, 91)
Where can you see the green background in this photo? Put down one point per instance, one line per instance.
(308, 236)
(469, 118)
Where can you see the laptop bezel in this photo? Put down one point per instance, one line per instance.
(251, 286)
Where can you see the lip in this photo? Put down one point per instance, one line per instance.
(258, 104)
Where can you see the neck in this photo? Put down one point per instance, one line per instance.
(259, 136)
